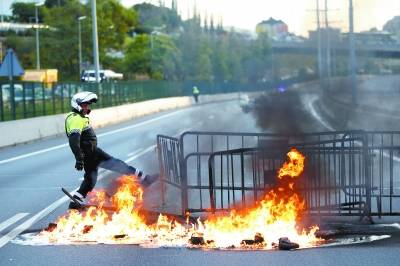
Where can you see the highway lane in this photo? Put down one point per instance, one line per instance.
(31, 183)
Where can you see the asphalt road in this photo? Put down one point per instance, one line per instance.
(32, 175)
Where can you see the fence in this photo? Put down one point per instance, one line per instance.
(30, 99)
(27, 99)
(353, 173)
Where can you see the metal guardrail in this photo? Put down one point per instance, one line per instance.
(29, 99)
(351, 173)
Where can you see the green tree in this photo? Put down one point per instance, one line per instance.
(203, 62)
(59, 44)
(152, 17)
(165, 58)
(138, 55)
(114, 22)
(24, 48)
(25, 12)
(55, 3)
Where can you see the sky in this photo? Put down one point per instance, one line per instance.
(300, 15)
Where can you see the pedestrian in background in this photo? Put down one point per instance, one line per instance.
(196, 93)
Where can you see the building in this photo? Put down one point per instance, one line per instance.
(393, 27)
(332, 34)
(276, 29)
(372, 37)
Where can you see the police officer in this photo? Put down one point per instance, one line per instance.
(196, 93)
(83, 143)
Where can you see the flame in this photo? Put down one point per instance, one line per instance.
(271, 218)
(294, 167)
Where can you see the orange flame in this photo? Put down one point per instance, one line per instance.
(294, 167)
(273, 217)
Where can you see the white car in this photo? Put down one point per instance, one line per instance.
(105, 75)
(6, 92)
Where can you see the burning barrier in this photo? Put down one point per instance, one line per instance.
(272, 223)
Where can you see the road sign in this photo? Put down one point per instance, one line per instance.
(11, 66)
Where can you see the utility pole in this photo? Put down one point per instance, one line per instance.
(352, 55)
(327, 46)
(95, 41)
(319, 39)
(80, 43)
(37, 5)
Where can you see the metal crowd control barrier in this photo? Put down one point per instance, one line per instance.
(353, 173)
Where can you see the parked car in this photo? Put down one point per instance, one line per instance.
(19, 93)
(105, 75)
(6, 93)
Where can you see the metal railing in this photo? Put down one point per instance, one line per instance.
(352, 173)
(28, 99)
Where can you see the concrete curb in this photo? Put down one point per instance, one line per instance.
(26, 130)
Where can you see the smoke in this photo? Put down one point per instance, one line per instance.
(281, 112)
(377, 103)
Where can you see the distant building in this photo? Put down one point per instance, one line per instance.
(276, 29)
(393, 27)
(332, 34)
(372, 37)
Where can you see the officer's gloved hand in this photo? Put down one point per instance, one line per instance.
(79, 165)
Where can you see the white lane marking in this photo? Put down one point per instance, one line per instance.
(141, 123)
(18, 230)
(138, 154)
(99, 135)
(12, 220)
(22, 227)
(310, 104)
(33, 153)
(132, 153)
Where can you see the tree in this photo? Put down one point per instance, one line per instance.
(137, 56)
(59, 44)
(153, 55)
(152, 17)
(114, 22)
(203, 62)
(25, 12)
(165, 58)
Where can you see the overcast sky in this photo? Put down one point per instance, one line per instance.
(300, 15)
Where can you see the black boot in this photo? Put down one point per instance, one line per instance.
(77, 204)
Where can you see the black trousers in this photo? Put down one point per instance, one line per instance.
(92, 161)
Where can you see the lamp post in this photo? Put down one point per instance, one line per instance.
(80, 43)
(95, 41)
(352, 54)
(37, 35)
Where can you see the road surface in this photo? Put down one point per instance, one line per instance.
(32, 175)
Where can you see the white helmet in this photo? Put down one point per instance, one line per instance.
(82, 97)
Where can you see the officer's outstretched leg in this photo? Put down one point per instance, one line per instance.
(116, 165)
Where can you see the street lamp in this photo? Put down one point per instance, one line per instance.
(37, 35)
(95, 41)
(80, 43)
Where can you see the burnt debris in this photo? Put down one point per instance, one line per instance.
(258, 240)
(51, 227)
(286, 244)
